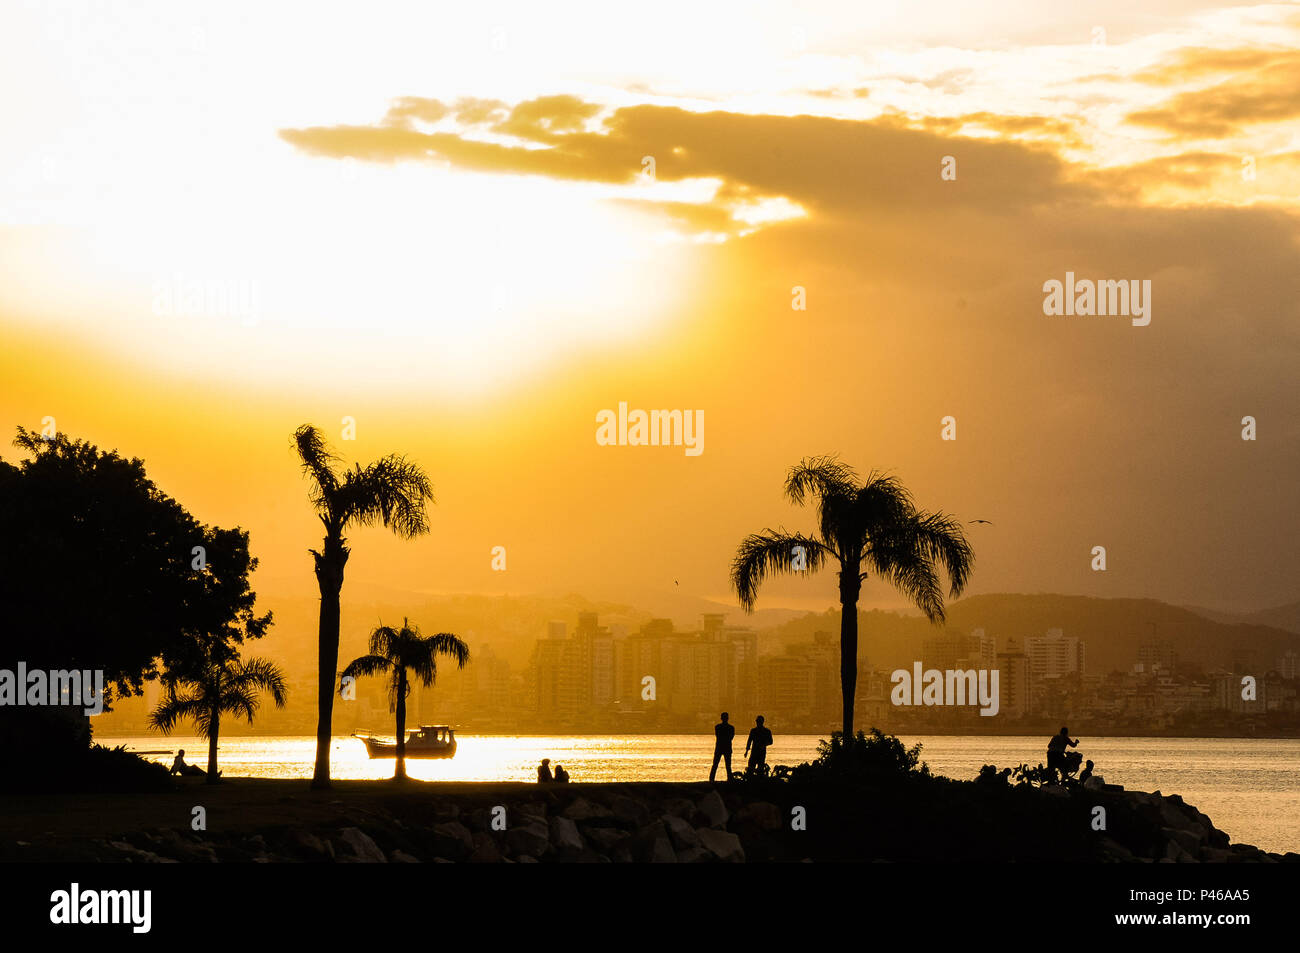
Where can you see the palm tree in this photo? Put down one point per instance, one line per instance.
(398, 650)
(863, 526)
(390, 492)
(220, 685)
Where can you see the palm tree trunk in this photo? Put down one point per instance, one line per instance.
(400, 773)
(329, 578)
(850, 588)
(212, 746)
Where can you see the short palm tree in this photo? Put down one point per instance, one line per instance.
(869, 526)
(218, 686)
(390, 492)
(396, 651)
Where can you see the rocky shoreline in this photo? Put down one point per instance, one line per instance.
(937, 820)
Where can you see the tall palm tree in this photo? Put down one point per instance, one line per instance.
(220, 685)
(390, 492)
(869, 526)
(398, 650)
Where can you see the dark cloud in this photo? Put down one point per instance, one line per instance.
(834, 166)
(1268, 90)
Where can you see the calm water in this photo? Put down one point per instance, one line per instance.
(1249, 787)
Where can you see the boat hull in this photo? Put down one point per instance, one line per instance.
(388, 749)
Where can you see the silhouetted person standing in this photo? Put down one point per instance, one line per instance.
(544, 772)
(759, 739)
(1056, 751)
(723, 732)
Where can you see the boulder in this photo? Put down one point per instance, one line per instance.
(652, 845)
(724, 846)
(679, 807)
(1187, 840)
(680, 831)
(761, 814)
(606, 838)
(581, 809)
(485, 851)
(694, 855)
(628, 810)
(360, 847)
(451, 839)
(532, 838)
(308, 843)
(714, 811)
(402, 857)
(564, 834)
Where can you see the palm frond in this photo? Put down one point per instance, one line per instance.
(911, 553)
(821, 476)
(391, 492)
(260, 674)
(770, 553)
(174, 709)
(318, 462)
(366, 666)
(445, 644)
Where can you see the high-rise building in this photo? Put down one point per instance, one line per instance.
(787, 685)
(1287, 664)
(1157, 654)
(1054, 654)
(1015, 681)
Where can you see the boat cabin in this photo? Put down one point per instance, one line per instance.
(432, 734)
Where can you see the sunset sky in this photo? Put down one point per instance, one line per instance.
(437, 221)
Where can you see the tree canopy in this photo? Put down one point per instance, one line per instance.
(99, 568)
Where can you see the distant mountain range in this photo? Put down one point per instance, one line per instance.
(1112, 628)
(1280, 617)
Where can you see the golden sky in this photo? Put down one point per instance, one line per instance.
(219, 223)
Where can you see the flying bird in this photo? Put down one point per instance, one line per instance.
(982, 521)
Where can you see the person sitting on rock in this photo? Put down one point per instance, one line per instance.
(1086, 773)
(561, 776)
(1056, 752)
(544, 772)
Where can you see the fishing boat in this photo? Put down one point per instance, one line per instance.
(427, 741)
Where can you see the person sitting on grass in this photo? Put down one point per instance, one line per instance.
(186, 770)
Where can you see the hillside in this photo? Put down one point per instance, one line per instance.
(1112, 628)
